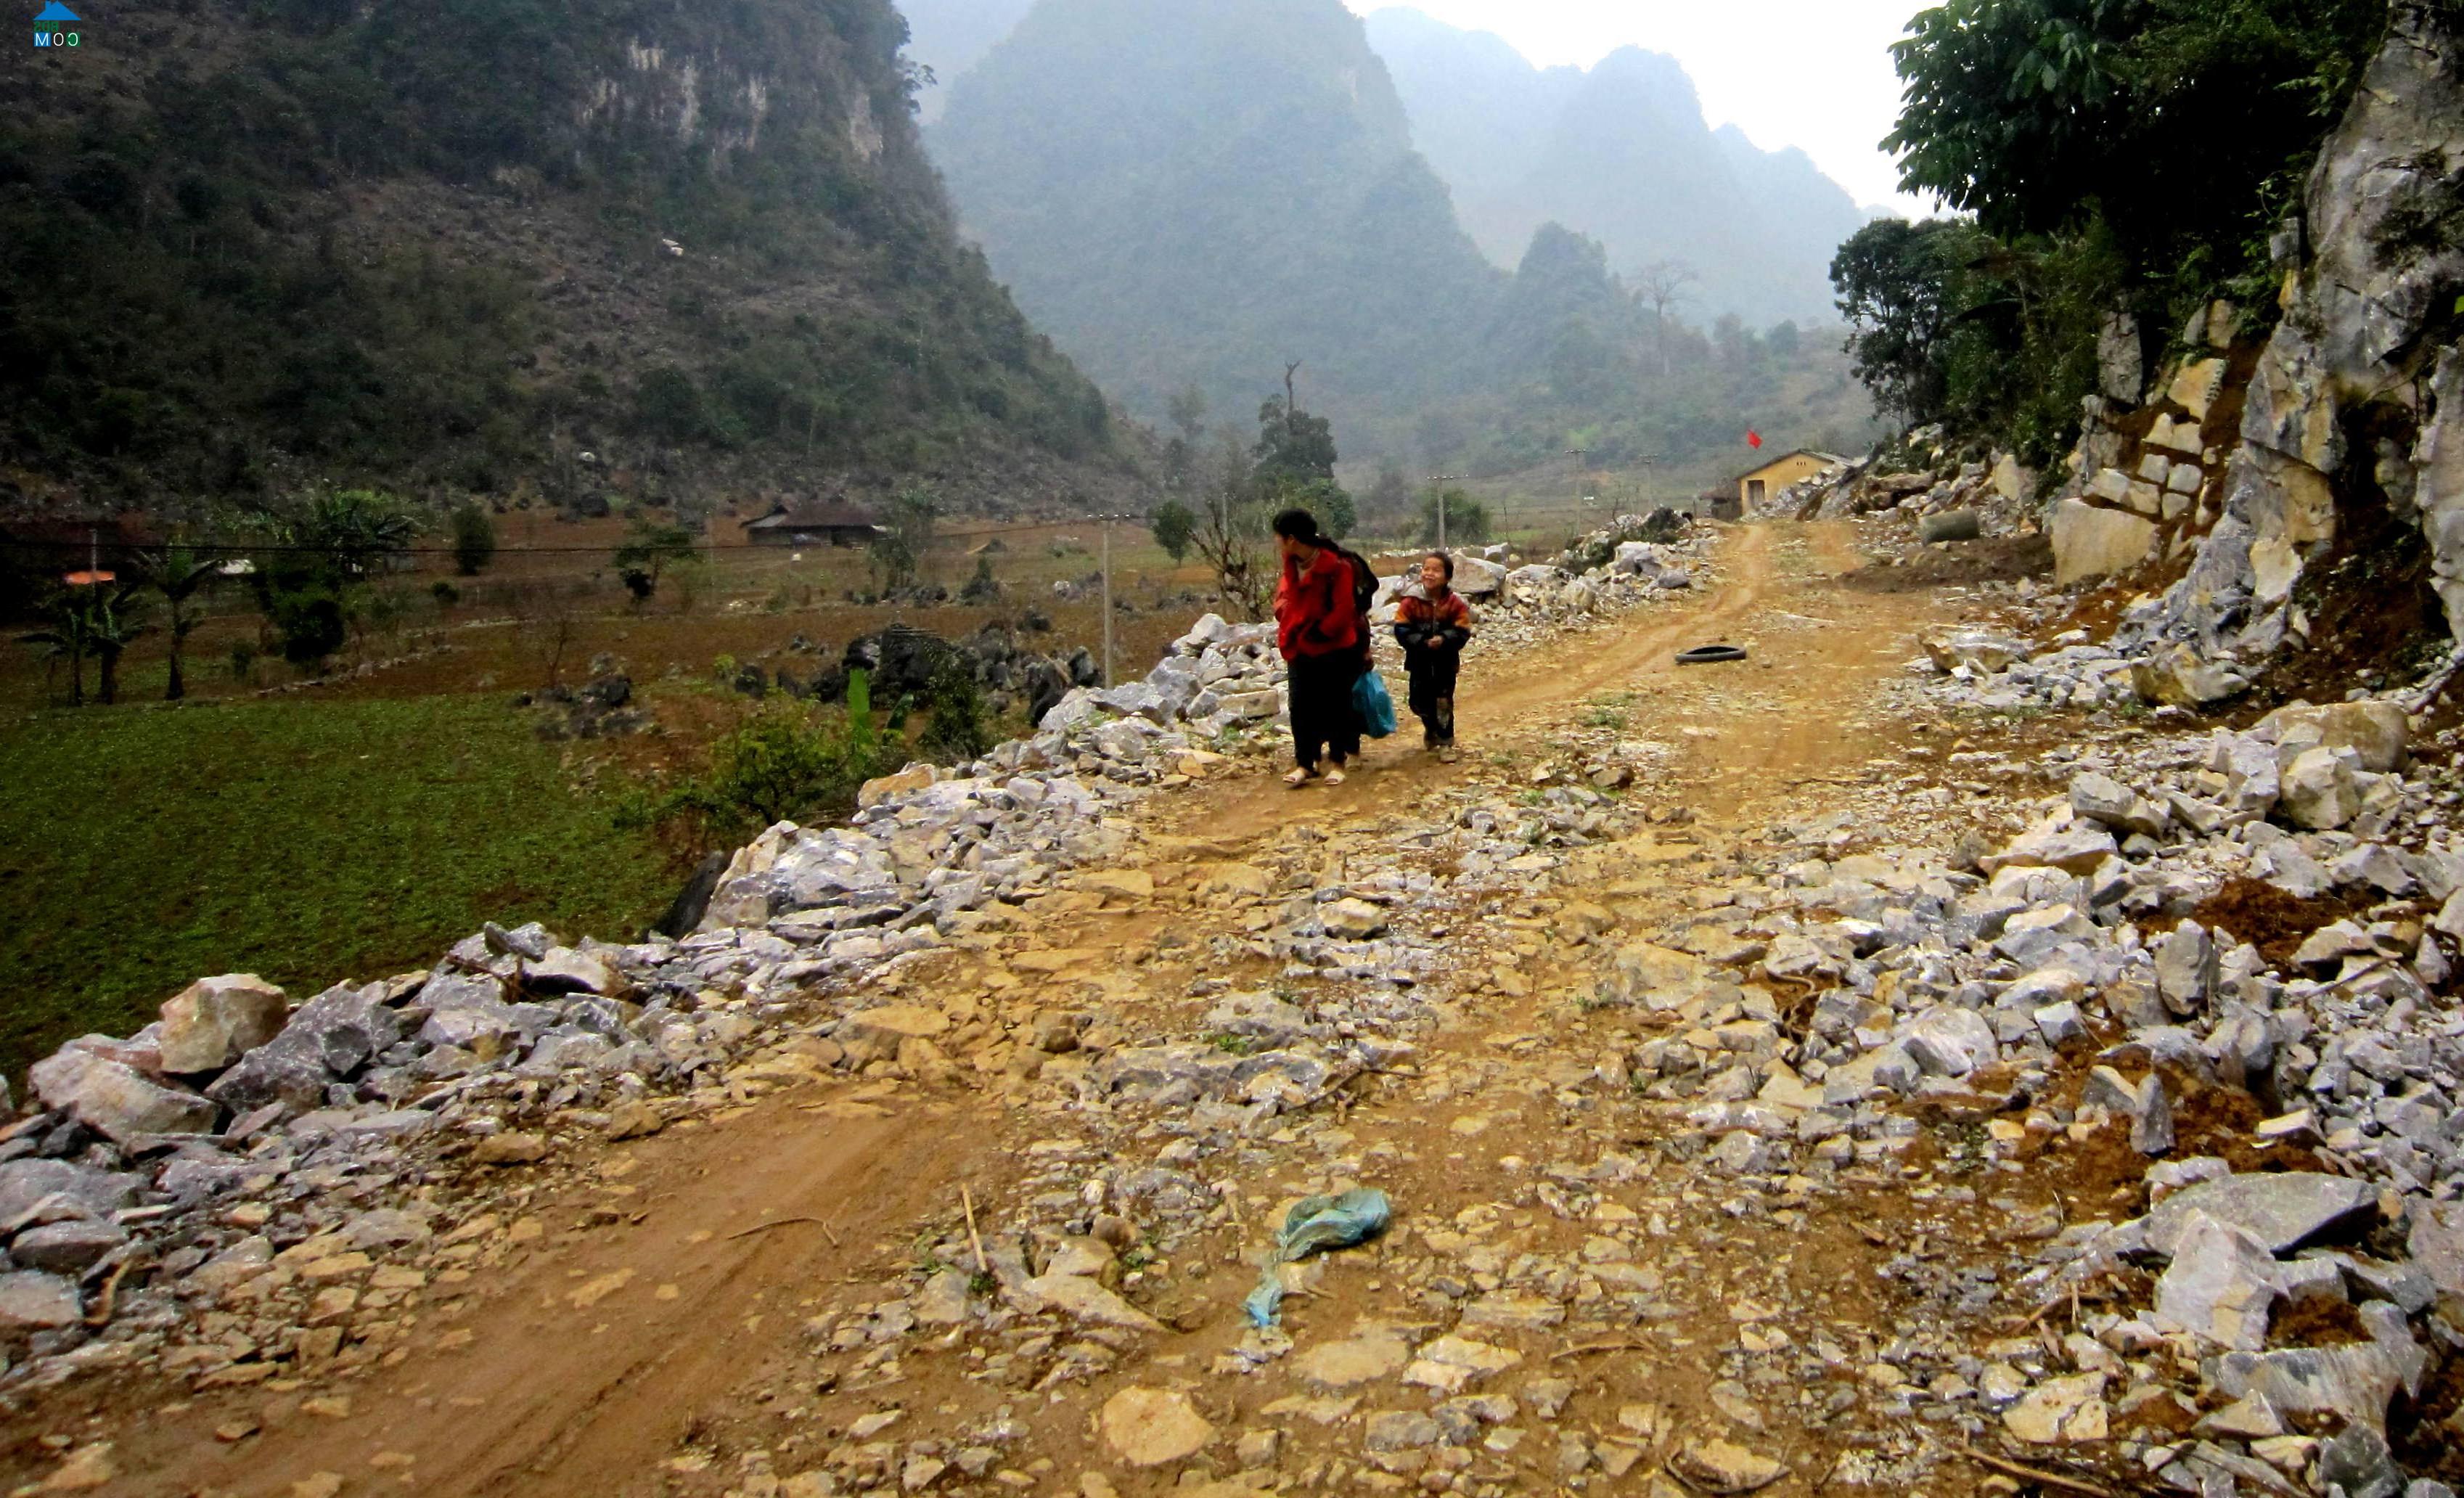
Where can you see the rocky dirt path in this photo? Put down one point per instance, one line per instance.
(789, 1296)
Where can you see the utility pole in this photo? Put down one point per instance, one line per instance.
(1439, 482)
(1646, 461)
(1579, 454)
(1108, 520)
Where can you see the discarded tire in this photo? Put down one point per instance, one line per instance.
(1705, 654)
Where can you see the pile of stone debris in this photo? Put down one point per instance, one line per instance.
(240, 1141)
(1920, 479)
(1993, 989)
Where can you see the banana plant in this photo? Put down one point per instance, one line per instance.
(66, 639)
(179, 575)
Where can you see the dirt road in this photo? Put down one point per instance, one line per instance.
(630, 1325)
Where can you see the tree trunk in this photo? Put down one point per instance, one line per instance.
(178, 688)
(107, 663)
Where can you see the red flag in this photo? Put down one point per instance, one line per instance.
(1753, 439)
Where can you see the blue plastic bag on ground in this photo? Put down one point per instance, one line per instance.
(1376, 708)
(1314, 1226)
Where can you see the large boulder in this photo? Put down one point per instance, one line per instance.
(2322, 789)
(2374, 730)
(115, 1099)
(215, 1021)
(1478, 578)
(2282, 1210)
(2093, 542)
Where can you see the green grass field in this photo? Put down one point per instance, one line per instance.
(308, 842)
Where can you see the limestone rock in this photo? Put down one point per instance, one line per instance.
(1720, 1466)
(1369, 1353)
(1949, 1041)
(2060, 1412)
(1076, 1295)
(32, 1301)
(2180, 676)
(2072, 846)
(510, 1149)
(2376, 730)
(891, 788)
(1245, 880)
(1978, 649)
(1451, 1363)
(42, 1191)
(2220, 1285)
(1148, 1427)
(116, 1100)
(2281, 1210)
(2094, 541)
(328, 1038)
(2322, 789)
(215, 1021)
(2101, 797)
(1351, 919)
(68, 1248)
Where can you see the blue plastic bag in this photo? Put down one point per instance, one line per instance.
(1314, 1226)
(1375, 708)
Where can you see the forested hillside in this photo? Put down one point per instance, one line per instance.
(1621, 152)
(245, 242)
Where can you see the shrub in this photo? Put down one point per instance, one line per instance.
(782, 764)
(957, 729)
(1174, 526)
(475, 541)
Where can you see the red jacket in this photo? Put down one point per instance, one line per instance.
(1313, 608)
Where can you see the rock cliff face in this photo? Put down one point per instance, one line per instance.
(2348, 419)
(703, 244)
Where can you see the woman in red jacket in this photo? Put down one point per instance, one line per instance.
(1320, 632)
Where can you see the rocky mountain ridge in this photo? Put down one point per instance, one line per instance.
(704, 247)
(1621, 152)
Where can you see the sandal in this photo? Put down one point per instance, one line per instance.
(1334, 776)
(1299, 778)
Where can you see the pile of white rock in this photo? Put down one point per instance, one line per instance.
(1977, 985)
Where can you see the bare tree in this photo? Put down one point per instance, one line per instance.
(1660, 286)
(1231, 538)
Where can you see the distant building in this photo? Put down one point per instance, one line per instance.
(813, 525)
(65, 543)
(1756, 485)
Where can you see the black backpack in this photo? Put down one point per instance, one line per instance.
(1364, 584)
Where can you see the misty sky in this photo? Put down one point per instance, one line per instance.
(1812, 74)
